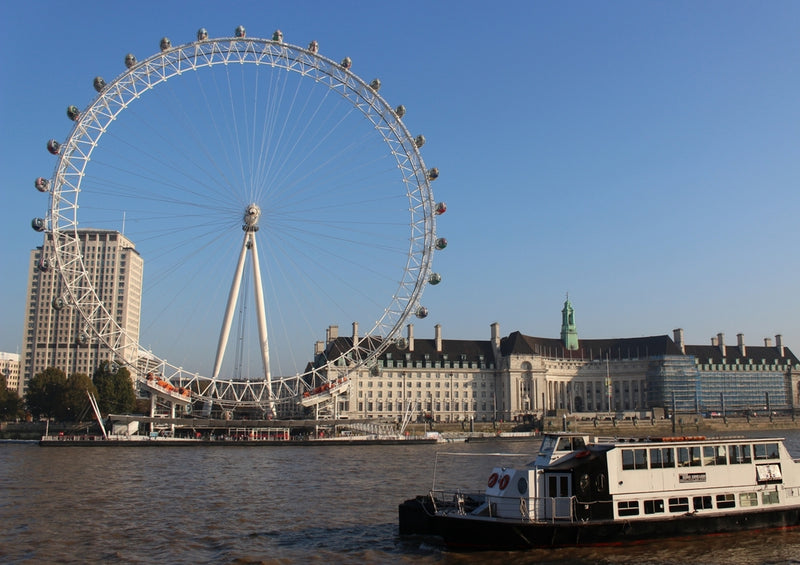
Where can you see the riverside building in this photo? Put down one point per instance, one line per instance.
(59, 337)
(517, 376)
(9, 367)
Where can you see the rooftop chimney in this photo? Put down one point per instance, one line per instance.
(319, 347)
(678, 333)
(779, 344)
(411, 337)
(438, 329)
(742, 348)
(714, 341)
(355, 334)
(767, 342)
(496, 335)
(721, 343)
(331, 333)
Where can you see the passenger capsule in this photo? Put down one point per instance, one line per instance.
(43, 264)
(419, 141)
(402, 343)
(347, 62)
(58, 303)
(277, 36)
(435, 278)
(441, 243)
(38, 224)
(42, 184)
(375, 371)
(165, 43)
(375, 84)
(130, 60)
(202, 34)
(83, 338)
(73, 113)
(400, 111)
(433, 173)
(53, 146)
(240, 32)
(441, 208)
(313, 46)
(422, 312)
(99, 84)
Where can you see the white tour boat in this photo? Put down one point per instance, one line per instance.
(593, 491)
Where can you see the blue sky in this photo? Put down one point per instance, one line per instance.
(642, 156)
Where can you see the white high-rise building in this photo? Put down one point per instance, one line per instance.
(9, 367)
(59, 337)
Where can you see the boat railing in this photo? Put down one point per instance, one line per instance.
(534, 509)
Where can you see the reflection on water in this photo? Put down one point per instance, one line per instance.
(279, 504)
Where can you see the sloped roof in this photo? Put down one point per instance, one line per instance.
(617, 348)
(517, 343)
(454, 349)
(732, 352)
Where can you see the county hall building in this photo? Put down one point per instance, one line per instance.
(515, 376)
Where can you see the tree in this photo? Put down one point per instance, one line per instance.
(10, 403)
(114, 389)
(45, 392)
(75, 401)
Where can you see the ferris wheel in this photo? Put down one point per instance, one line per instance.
(270, 191)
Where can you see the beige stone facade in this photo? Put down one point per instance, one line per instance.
(60, 337)
(9, 367)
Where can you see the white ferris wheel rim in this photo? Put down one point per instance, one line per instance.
(91, 123)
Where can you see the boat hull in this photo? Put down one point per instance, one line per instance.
(464, 532)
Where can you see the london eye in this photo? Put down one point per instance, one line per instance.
(271, 192)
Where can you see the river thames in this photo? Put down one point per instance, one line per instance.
(314, 504)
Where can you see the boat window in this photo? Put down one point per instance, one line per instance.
(679, 504)
(763, 451)
(739, 454)
(662, 458)
(628, 508)
(770, 497)
(714, 455)
(627, 459)
(702, 502)
(726, 501)
(634, 459)
(748, 499)
(548, 444)
(689, 456)
(653, 506)
(564, 444)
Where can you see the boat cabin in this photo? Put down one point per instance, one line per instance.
(578, 478)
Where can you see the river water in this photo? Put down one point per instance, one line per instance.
(290, 504)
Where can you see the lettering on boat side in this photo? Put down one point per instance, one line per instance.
(692, 478)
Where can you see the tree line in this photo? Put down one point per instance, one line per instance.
(51, 394)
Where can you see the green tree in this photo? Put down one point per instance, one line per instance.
(114, 389)
(46, 392)
(10, 402)
(75, 402)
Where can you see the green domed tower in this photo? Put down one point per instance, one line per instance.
(569, 333)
